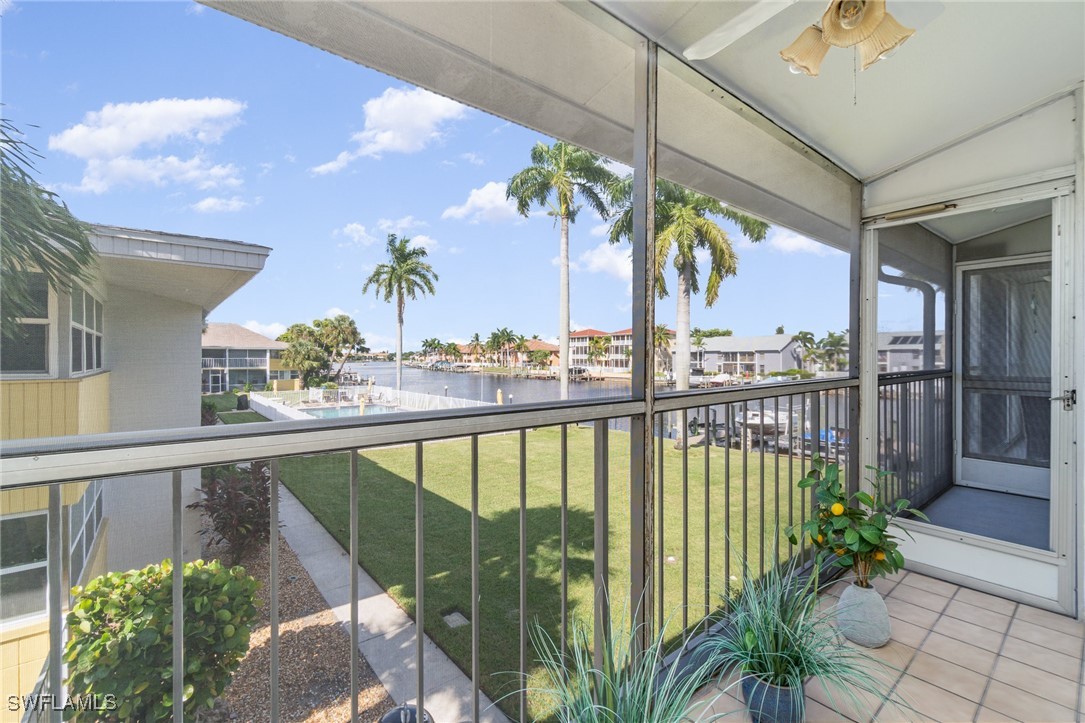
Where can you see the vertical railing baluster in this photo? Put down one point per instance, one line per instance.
(776, 476)
(602, 542)
(54, 569)
(790, 468)
(746, 441)
(761, 501)
(685, 525)
(354, 524)
(523, 576)
(660, 539)
(802, 468)
(178, 602)
(273, 564)
(707, 522)
(476, 674)
(564, 538)
(727, 547)
(419, 578)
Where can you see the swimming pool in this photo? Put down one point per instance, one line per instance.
(348, 411)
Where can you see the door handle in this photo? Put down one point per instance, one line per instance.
(1068, 399)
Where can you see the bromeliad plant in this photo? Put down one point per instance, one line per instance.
(858, 535)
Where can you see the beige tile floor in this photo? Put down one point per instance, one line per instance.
(957, 655)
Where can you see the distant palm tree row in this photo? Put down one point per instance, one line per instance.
(561, 175)
(496, 349)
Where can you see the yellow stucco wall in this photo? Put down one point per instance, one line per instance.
(276, 365)
(51, 408)
(286, 385)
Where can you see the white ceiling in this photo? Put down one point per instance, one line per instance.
(970, 64)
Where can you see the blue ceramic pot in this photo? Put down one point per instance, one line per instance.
(770, 703)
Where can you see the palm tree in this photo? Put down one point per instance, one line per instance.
(683, 224)
(475, 345)
(519, 345)
(563, 171)
(451, 350)
(833, 346)
(598, 348)
(405, 275)
(661, 340)
(808, 344)
(341, 339)
(39, 234)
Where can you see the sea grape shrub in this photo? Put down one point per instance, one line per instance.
(209, 416)
(120, 640)
(236, 502)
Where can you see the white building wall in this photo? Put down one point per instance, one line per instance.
(153, 352)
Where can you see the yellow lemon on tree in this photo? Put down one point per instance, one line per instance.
(837, 509)
(840, 551)
(818, 540)
(879, 555)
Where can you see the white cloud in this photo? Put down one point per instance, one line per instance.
(429, 244)
(108, 140)
(290, 158)
(194, 9)
(789, 242)
(607, 258)
(399, 225)
(601, 230)
(484, 204)
(265, 168)
(473, 158)
(272, 330)
(400, 120)
(380, 342)
(357, 234)
(335, 311)
(455, 250)
(213, 204)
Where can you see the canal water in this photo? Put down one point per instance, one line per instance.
(516, 390)
(483, 387)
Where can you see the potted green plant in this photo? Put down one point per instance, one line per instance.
(776, 639)
(854, 532)
(632, 684)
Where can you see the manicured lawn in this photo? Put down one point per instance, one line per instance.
(387, 531)
(241, 417)
(226, 402)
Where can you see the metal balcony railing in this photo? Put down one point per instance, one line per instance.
(251, 362)
(915, 433)
(725, 490)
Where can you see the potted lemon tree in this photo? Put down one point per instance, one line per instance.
(854, 532)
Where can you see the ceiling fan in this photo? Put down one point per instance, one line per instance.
(845, 23)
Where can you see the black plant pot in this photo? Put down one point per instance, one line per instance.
(770, 703)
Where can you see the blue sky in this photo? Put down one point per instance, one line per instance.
(178, 118)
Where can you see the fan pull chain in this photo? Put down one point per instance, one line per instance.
(855, 75)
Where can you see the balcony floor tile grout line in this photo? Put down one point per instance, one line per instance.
(915, 654)
(1081, 683)
(324, 559)
(990, 675)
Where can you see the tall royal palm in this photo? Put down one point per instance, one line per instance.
(558, 174)
(403, 276)
(684, 225)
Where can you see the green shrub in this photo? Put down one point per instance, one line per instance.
(120, 638)
(237, 503)
(248, 388)
(209, 415)
(329, 385)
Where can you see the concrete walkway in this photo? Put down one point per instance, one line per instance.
(387, 636)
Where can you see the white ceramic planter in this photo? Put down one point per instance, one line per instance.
(862, 617)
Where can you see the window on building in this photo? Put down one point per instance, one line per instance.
(87, 331)
(23, 565)
(27, 351)
(84, 520)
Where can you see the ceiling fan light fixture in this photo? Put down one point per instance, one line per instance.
(849, 22)
(885, 39)
(807, 52)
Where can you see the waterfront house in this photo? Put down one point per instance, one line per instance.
(108, 356)
(234, 357)
(955, 166)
